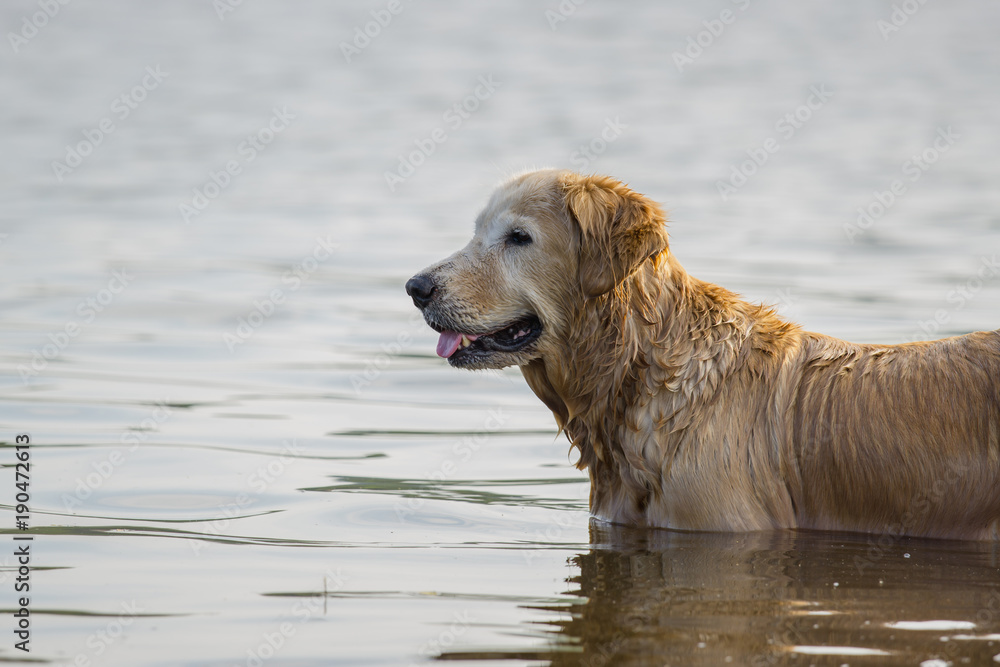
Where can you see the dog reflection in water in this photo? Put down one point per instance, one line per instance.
(658, 597)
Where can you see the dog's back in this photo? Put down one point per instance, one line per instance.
(898, 439)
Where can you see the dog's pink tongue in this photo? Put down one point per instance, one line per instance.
(448, 343)
(451, 341)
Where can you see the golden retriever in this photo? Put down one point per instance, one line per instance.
(695, 410)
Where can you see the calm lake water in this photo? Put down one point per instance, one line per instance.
(244, 450)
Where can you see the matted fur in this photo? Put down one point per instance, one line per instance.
(693, 409)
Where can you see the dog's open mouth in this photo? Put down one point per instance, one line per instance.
(514, 337)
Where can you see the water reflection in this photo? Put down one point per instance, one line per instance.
(674, 598)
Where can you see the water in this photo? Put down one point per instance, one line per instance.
(244, 449)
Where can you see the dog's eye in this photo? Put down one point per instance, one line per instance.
(518, 237)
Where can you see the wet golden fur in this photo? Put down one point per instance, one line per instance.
(693, 409)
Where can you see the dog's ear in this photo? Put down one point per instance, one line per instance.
(619, 230)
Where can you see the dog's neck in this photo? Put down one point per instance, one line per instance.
(663, 333)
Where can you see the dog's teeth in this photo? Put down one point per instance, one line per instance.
(466, 342)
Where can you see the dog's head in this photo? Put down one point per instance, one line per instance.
(546, 242)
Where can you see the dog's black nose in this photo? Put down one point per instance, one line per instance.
(421, 290)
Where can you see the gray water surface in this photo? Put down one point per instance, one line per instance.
(245, 451)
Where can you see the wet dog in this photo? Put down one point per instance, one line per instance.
(693, 409)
